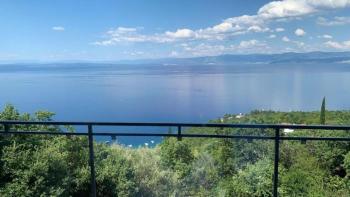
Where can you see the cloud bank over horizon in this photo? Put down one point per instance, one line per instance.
(272, 27)
(270, 14)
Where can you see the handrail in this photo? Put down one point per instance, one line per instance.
(173, 124)
(179, 135)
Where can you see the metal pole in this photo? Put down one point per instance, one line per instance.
(91, 161)
(275, 173)
(179, 137)
(7, 128)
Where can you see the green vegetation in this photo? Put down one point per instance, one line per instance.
(33, 165)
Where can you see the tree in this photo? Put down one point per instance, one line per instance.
(176, 155)
(323, 111)
(254, 180)
(49, 165)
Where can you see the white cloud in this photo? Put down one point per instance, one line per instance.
(58, 28)
(285, 39)
(337, 20)
(204, 49)
(338, 45)
(181, 33)
(295, 8)
(286, 8)
(329, 3)
(299, 32)
(257, 23)
(256, 28)
(272, 36)
(129, 34)
(299, 44)
(252, 46)
(245, 20)
(326, 36)
(223, 27)
(279, 29)
(248, 44)
(122, 30)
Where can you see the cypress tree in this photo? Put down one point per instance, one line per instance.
(323, 111)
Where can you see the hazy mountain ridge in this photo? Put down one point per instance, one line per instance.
(291, 57)
(310, 57)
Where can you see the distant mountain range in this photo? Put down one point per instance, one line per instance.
(310, 57)
(282, 58)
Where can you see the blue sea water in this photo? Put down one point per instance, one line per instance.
(170, 93)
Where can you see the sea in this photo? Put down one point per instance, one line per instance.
(169, 93)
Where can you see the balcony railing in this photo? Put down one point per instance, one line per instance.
(277, 138)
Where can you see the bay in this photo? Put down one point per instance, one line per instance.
(170, 93)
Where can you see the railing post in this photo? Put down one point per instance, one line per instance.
(91, 161)
(6, 128)
(179, 137)
(277, 153)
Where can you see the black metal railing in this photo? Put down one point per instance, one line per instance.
(179, 135)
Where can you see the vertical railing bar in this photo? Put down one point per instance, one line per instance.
(91, 161)
(179, 136)
(7, 128)
(277, 151)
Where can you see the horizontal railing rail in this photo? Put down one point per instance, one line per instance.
(163, 124)
(277, 137)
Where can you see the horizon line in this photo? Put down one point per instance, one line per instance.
(18, 61)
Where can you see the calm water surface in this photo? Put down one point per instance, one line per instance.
(158, 93)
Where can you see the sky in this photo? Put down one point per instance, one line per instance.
(105, 30)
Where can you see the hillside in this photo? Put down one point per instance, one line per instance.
(310, 57)
(58, 166)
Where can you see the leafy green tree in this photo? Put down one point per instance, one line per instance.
(254, 180)
(114, 174)
(204, 175)
(33, 165)
(34, 170)
(152, 179)
(176, 155)
(304, 176)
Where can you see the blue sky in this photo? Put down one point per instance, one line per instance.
(92, 30)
